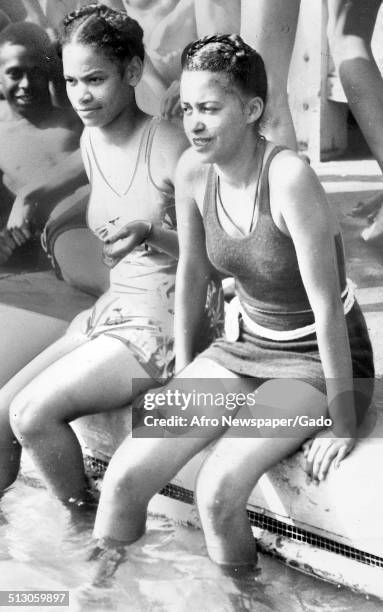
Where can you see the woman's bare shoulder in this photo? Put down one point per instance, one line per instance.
(191, 177)
(190, 170)
(169, 142)
(287, 168)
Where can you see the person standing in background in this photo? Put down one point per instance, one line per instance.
(350, 29)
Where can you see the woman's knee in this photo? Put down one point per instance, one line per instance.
(25, 416)
(123, 485)
(218, 499)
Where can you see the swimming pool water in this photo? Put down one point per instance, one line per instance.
(167, 571)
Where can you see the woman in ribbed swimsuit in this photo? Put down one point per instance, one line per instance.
(296, 336)
(130, 159)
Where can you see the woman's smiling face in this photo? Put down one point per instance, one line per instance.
(215, 118)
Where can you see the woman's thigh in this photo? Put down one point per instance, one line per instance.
(162, 456)
(95, 376)
(238, 463)
(36, 366)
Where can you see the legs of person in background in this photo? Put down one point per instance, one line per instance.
(270, 27)
(350, 28)
(217, 16)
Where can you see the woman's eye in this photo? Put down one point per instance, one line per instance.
(186, 110)
(210, 109)
(96, 79)
(69, 81)
(14, 74)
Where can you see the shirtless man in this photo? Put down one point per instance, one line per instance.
(36, 137)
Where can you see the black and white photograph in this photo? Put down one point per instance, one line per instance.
(191, 301)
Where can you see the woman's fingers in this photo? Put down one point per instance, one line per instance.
(324, 452)
(324, 448)
(121, 247)
(311, 457)
(25, 229)
(8, 243)
(119, 235)
(18, 236)
(326, 462)
(306, 446)
(342, 453)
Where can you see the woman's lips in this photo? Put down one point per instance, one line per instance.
(201, 142)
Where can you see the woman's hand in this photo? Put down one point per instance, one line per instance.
(323, 451)
(124, 241)
(7, 245)
(22, 214)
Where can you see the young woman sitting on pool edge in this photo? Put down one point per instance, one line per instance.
(130, 159)
(256, 212)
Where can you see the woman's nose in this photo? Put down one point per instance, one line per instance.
(24, 82)
(197, 125)
(84, 95)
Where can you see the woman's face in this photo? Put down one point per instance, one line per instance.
(215, 119)
(95, 85)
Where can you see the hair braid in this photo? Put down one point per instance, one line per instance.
(115, 33)
(230, 54)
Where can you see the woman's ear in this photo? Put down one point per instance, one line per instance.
(133, 71)
(254, 109)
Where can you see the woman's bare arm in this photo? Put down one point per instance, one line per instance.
(194, 268)
(300, 209)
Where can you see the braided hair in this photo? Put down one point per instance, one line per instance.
(230, 54)
(113, 32)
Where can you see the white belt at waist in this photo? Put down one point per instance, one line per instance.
(235, 308)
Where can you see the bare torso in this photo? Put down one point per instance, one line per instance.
(27, 151)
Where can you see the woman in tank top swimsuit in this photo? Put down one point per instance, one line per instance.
(296, 344)
(130, 159)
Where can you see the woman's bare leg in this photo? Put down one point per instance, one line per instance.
(350, 28)
(270, 27)
(143, 466)
(217, 16)
(94, 377)
(10, 450)
(235, 465)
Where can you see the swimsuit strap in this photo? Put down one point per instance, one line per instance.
(153, 126)
(264, 191)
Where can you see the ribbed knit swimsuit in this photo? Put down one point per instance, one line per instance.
(272, 295)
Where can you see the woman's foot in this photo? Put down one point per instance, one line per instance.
(374, 232)
(369, 207)
(109, 557)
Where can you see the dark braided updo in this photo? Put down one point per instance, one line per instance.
(230, 54)
(112, 32)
